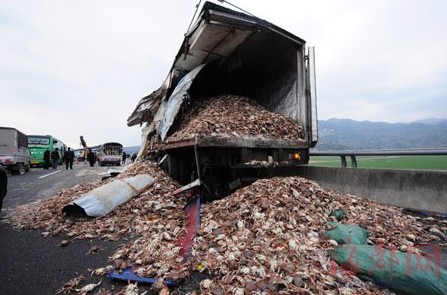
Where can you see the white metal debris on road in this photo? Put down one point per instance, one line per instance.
(102, 200)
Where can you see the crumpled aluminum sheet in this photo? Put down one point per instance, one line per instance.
(104, 199)
(176, 101)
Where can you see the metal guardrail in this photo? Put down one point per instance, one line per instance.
(354, 153)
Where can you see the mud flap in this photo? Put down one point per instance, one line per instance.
(192, 212)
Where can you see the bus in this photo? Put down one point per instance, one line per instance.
(110, 153)
(38, 144)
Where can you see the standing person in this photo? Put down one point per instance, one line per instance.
(124, 158)
(68, 157)
(91, 158)
(55, 158)
(134, 156)
(46, 159)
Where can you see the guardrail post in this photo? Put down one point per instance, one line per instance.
(353, 161)
(343, 161)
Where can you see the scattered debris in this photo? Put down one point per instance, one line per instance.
(71, 285)
(266, 237)
(64, 243)
(88, 288)
(131, 289)
(158, 286)
(94, 249)
(235, 117)
(153, 204)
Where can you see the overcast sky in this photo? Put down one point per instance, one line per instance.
(71, 68)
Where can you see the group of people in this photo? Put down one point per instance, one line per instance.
(54, 158)
(125, 156)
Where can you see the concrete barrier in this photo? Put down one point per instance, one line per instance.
(415, 189)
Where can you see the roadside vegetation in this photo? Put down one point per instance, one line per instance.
(385, 162)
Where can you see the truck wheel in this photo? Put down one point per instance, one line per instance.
(21, 168)
(18, 169)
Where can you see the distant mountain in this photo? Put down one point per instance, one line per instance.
(346, 134)
(130, 150)
(433, 121)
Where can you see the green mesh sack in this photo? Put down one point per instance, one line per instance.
(402, 272)
(347, 234)
(339, 214)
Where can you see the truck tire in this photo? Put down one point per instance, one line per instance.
(21, 169)
(18, 169)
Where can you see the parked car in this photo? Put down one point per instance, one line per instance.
(3, 185)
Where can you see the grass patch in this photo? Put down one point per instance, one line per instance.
(385, 162)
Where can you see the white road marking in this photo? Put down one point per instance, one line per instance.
(57, 171)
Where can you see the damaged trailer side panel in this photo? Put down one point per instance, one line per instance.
(177, 100)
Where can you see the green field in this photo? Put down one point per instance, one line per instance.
(385, 162)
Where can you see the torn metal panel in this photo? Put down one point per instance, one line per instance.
(177, 99)
(104, 199)
(147, 107)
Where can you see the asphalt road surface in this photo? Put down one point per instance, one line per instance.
(31, 264)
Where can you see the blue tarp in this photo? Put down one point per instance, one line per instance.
(128, 275)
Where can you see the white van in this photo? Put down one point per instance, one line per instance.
(14, 153)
